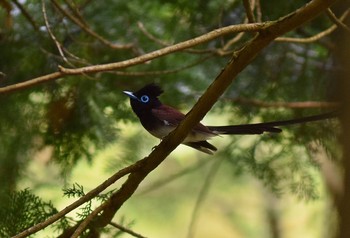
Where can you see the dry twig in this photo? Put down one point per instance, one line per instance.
(52, 36)
(137, 60)
(337, 21)
(85, 28)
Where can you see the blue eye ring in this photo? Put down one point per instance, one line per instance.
(144, 99)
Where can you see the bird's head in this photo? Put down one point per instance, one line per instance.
(145, 99)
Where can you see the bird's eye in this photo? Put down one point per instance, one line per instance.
(144, 99)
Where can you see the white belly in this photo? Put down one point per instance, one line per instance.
(192, 136)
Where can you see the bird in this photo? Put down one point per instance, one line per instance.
(160, 119)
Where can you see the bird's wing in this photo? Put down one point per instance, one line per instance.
(173, 117)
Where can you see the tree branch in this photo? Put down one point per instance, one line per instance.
(134, 61)
(314, 37)
(26, 15)
(124, 229)
(337, 21)
(85, 28)
(52, 36)
(248, 10)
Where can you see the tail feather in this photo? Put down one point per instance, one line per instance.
(259, 128)
(203, 146)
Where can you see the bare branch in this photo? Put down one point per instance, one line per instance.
(82, 226)
(163, 43)
(26, 15)
(137, 60)
(162, 72)
(258, 11)
(235, 39)
(88, 30)
(202, 195)
(337, 21)
(74, 9)
(315, 37)
(150, 36)
(52, 36)
(124, 229)
(248, 10)
(163, 182)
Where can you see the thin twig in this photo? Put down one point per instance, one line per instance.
(258, 11)
(75, 11)
(82, 226)
(163, 43)
(202, 195)
(167, 180)
(167, 50)
(89, 31)
(248, 10)
(314, 37)
(52, 36)
(337, 21)
(137, 60)
(26, 15)
(233, 41)
(162, 72)
(150, 36)
(124, 229)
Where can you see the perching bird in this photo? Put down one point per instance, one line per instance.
(160, 119)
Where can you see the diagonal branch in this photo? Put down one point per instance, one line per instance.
(26, 15)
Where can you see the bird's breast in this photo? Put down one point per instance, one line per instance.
(193, 136)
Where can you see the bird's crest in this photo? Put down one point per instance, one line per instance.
(151, 89)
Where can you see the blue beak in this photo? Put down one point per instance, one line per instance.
(130, 95)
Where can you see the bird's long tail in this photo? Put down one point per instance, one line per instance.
(259, 128)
